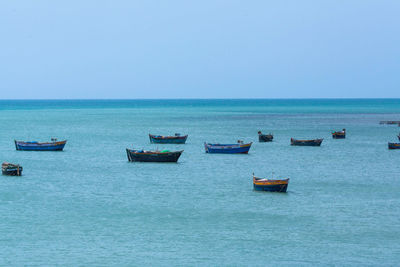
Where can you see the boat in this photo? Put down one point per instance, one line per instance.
(389, 122)
(339, 134)
(176, 139)
(271, 185)
(54, 145)
(135, 155)
(312, 142)
(398, 137)
(11, 169)
(238, 148)
(394, 145)
(265, 137)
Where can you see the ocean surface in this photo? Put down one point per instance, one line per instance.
(88, 205)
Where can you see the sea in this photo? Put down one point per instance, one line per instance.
(88, 205)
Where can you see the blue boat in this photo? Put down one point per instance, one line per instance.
(54, 145)
(238, 148)
(394, 145)
(176, 139)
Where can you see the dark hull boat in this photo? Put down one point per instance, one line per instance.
(36, 146)
(177, 139)
(313, 142)
(394, 145)
(265, 137)
(339, 134)
(227, 148)
(153, 156)
(398, 137)
(11, 169)
(271, 185)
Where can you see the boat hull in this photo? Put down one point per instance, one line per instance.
(134, 156)
(167, 139)
(337, 135)
(315, 142)
(394, 145)
(12, 172)
(271, 188)
(227, 148)
(265, 138)
(35, 146)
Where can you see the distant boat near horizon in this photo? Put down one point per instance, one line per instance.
(175, 139)
(265, 137)
(54, 145)
(311, 142)
(390, 122)
(238, 148)
(339, 134)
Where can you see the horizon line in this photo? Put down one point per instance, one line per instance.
(127, 99)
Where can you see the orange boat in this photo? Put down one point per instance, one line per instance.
(271, 185)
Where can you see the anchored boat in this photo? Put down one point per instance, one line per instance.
(11, 169)
(153, 156)
(265, 137)
(176, 139)
(54, 145)
(271, 185)
(312, 142)
(339, 134)
(238, 148)
(394, 145)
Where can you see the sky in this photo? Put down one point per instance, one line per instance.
(125, 49)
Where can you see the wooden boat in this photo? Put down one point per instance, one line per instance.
(339, 134)
(394, 145)
(54, 145)
(153, 156)
(271, 185)
(11, 169)
(312, 142)
(238, 148)
(265, 137)
(176, 139)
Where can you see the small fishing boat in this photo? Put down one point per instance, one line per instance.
(176, 139)
(339, 134)
(54, 145)
(312, 142)
(265, 137)
(394, 145)
(135, 155)
(238, 148)
(271, 185)
(11, 169)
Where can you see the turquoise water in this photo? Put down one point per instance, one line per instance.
(88, 206)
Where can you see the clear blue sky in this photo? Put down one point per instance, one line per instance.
(199, 49)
